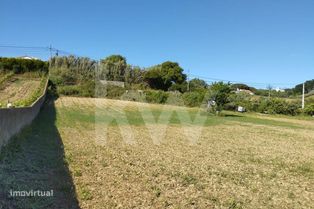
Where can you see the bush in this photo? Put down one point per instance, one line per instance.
(278, 106)
(239, 99)
(230, 106)
(87, 89)
(309, 110)
(64, 76)
(108, 91)
(193, 99)
(133, 95)
(159, 97)
(263, 105)
(69, 90)
(182, 87)
(175, 98)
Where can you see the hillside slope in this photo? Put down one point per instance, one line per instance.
(20, 87)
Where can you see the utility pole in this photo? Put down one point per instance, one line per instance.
(188, 80)
(303, 92)
(269, 87)
(50, 49)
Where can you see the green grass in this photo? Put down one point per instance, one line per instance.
(135, 117)
(258, 121)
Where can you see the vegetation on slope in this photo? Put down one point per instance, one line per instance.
(35, 95)
(22, 81)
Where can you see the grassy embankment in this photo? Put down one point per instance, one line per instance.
(21, 89)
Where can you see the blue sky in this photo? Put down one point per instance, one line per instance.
(254, 41)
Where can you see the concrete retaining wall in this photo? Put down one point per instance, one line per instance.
(12, 120)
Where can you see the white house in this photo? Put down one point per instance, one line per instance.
(279, 90)
(28, 58)
(244, 91)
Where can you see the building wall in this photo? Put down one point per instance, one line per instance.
(113, 83)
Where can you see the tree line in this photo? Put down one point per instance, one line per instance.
(161, 83)
(19, 65)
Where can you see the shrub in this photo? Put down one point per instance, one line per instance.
(64, 76)
(239, 99)
(175, 98)
(159, 97)
(278, 106)
(309, 110)
(69, 90)
(133, 95)
(182, 87)
(113, 92)
(193, 99)
(87, 89)
(230, 106)
(263, 105)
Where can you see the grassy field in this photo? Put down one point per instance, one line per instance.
(17, 88)
(98, 153)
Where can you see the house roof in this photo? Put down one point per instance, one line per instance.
(28, 58)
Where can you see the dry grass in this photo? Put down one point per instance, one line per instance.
(17, 88)
(238, 162)
(79, 151)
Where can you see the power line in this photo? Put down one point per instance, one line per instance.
(24, 47)
(39, 48)
(210, 79)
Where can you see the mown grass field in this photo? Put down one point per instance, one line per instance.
(238, 161)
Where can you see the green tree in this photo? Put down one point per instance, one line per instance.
(113, 68)
(309, 109)
(309, 86)
(134, 75)
(18, 65)
(165, 75)
(70, 70)
(219, 92)
(197, 84)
